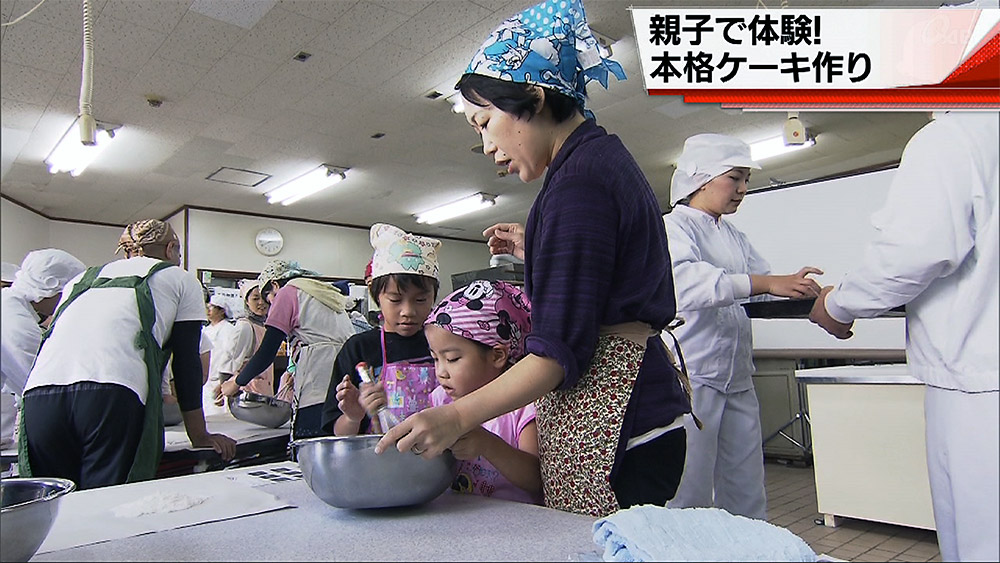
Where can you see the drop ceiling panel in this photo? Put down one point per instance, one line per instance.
(64, 15)
(279, 35)
(170, 80)
(162, 16)
(236, 75)
(322, 11)
(438, 23)
(122, 44)
(55, 54)
(200, 40)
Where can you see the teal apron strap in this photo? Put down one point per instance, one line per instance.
(85, 283)
(147, 455)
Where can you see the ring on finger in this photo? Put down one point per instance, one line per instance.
(416, 450)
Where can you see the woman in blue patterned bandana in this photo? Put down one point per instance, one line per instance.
(610, 401)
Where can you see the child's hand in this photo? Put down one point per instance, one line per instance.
(471, 445)
(373, 397)
(348, 399)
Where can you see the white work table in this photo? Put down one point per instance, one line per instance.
(254, 444)
(454, 527)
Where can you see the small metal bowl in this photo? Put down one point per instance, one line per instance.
(260, 409)
(345, 472)
(172, 414)
(29, 508)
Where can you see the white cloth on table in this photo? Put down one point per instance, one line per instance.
(654, 533)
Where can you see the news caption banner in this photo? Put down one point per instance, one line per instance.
(823, 58)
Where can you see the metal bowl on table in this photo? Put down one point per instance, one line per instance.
(172, 414)
(30, 506)
(345, 472)
(260, 409)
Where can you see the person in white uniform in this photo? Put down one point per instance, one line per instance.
(222, 335)
(33, 294)
(937, 250)
(92, 407)
(716, 269)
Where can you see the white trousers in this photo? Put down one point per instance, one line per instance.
(962, 463)
(724, 466)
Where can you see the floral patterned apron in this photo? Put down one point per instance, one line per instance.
(579, 428)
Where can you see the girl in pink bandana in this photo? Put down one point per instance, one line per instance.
(476, 333)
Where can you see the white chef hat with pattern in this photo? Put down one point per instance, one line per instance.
(399, 252)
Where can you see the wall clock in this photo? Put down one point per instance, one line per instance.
(269, 241)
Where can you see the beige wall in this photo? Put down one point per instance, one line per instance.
(22, 231)
(224, 241)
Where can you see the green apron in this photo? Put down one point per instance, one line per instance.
(147, 455)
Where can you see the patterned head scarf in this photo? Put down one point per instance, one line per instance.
(277, 270)
(399, 252)
(44, 273)
(143, 233)
(549, 45)
(246, 286)
(488, 312)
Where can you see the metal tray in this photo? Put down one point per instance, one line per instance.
(795, 309)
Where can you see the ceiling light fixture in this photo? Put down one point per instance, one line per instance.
(464, 206)
(318, 179)
(75, 151)
(775, 146)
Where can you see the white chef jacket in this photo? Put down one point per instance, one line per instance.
(94, 338)
(21, 336)
(222, 336)
(712, 262)
(936, 250)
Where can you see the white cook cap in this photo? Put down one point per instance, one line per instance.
(45, 272)
(221, 302)
(246, 286)
(706, 156)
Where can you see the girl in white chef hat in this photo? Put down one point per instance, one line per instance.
(716, 268)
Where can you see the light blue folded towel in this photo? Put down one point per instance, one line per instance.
(654, 533)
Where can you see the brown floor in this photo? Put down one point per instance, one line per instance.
(791, 503)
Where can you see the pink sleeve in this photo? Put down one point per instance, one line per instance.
(525, 415)
(284, 312)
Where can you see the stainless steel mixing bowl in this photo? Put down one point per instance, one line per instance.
(345, 472)
(30, 506)
(260, 409)
(172, 414)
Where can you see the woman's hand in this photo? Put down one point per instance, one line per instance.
(472, 445)
(348, 400)
(427, 433)
(217, 398)
(230, 388)
(373, 398)
(796, 285)
(506, 238)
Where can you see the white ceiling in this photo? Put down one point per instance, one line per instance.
(234, 97)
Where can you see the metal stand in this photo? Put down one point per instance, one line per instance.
(802, 417)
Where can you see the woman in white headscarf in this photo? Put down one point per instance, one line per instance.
(33, 294)
(222, 334)
(247, 338)
(715, 269)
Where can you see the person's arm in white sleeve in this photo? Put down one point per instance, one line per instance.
(699, 284)
(923, 231)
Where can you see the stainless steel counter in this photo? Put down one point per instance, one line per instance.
(892, 374)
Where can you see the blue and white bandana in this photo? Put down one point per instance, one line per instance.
(549, 45)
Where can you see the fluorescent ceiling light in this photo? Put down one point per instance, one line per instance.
(318, 179)
(464, 206)
(71, 155)
(775, 146)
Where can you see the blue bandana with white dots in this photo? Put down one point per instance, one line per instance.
(549, 45)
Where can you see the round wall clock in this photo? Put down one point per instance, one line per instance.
(269, 241)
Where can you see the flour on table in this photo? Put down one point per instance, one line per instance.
(157, 503)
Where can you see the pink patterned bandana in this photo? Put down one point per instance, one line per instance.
(487, 312)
